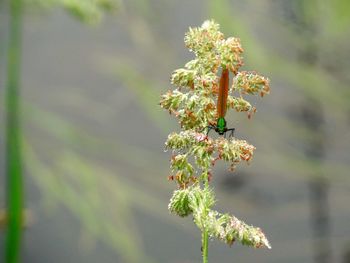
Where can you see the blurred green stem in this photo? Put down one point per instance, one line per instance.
(13, 149)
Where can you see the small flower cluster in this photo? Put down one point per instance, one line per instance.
(247, 82)
(225, 227)
(229, 228)
(230, 51)
(194, 153)
(203, 148)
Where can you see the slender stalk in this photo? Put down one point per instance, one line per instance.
(205, 246)
(205, 237)
(13, 149)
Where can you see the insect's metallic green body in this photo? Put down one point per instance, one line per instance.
(221, 126)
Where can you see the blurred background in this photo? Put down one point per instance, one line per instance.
(92, 137)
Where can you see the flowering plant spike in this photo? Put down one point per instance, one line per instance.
(199, 102)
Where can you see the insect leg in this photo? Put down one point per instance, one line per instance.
(210, 128)
(232, 130)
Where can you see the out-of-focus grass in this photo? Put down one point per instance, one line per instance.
(87, 11)
(84, 189)
(146, 92)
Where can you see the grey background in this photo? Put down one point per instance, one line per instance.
(91, 121)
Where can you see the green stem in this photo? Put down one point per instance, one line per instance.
(205, 236)
(13, 153)
(205, 246)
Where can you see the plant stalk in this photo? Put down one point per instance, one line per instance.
(14, 195)
(205, 237)
(205, 246)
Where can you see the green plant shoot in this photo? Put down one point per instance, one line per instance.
(200, 101)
